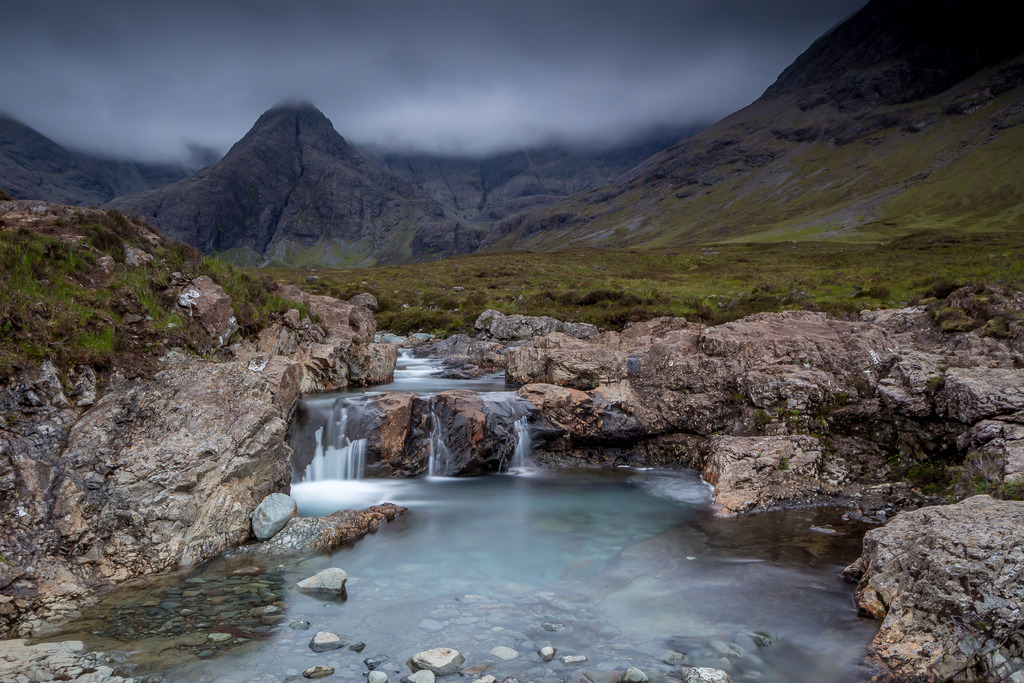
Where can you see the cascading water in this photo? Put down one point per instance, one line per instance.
(440, 455)
(524, 447)
(330, 432)
(338, 455)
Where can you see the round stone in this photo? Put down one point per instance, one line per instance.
(547, 653)
(325, 640)
(377, 677)
(318, 671)
(634, 675)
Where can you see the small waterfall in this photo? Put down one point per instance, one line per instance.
(524, 446)
(440, 454)
(338, 455)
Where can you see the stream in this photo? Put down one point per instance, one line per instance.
(623, 568)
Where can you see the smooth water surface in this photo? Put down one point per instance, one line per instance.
(619, 567)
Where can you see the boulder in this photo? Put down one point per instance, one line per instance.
(372, 363)
(205, 301)
(324, 641)
(330, 580)
(440, 661)
(271, 515)
(946, 583)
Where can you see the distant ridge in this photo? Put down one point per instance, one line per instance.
(34, 167)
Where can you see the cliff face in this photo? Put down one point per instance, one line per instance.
(294, 190)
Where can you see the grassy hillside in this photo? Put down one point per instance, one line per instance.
(780, 170)
(59, 303)
(611, 288)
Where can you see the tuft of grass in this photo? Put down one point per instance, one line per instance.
(982, 473)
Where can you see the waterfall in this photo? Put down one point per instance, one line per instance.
(338, 455)
(437, 462)
(524, 447)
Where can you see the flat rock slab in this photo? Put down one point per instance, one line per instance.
(305, 535)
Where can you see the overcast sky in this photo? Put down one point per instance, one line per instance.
(144, 79)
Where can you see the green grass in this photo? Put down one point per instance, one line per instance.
(57, 304)
(612, 288)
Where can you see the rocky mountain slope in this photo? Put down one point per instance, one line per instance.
(493, 187)
(906, 116)
(34, 167)
(294, 191)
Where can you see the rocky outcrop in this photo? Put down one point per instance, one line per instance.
(777, 406)
(64, 661)
(500, 326)
(156, 475)
(946, 581)
(150, 475)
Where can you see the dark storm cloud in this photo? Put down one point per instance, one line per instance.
(147, 79)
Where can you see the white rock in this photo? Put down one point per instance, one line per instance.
(271, 515)
(442, 661)
(572, 660)
(421, 677)
(377, 677)
(547, 653)
(705, 675)
(486, 679)
(324, 641)
(505, 653)
(332, 579)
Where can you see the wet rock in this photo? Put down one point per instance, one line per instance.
(553, 626)
(705, 675)
(251, 570)
(205, 300)
(504, 653)
(330, 580)
(933, 575)
(485, 679)
(357, 647)
(424, 676)
(563, 360)
(431, 625)
(299, 625)
(272, 514)
(753, 472)
(319, 671)
(372, 364)
(573, 660)
(377, 677)
(305, 535)
(673, 658)
(547, 653)
(374, 662)
(634, 675)
(442, 661)
(325, 640)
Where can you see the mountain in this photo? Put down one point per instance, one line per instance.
(34, 167)
(906, 116)
(490, 188)
(293, 191)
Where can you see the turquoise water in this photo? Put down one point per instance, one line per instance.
(624, 566)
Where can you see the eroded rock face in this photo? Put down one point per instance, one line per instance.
(948, 583)
(156, 475)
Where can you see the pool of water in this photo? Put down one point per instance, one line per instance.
(619, 567)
